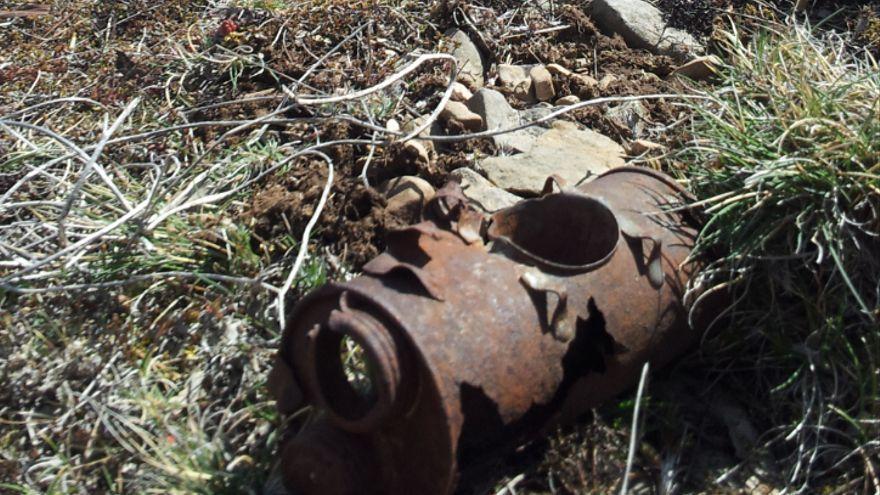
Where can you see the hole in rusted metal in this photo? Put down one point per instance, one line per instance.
(564, 230)
(591, 346)
(355, 365)
(345, 375)
(483, 425)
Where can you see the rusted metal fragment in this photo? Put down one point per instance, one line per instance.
(324, 459)
(384, 264)
(284, 388)
(478, 333)
(560, 321)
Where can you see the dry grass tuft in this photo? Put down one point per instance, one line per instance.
(785, 160)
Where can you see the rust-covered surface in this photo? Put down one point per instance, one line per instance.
(481, 331)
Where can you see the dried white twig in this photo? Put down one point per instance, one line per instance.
(304, 243)
(633, 434)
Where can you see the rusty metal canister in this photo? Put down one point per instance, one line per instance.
(480, 333)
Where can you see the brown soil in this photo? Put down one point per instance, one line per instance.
(353, 222)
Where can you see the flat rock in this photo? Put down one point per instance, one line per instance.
(542, 83)
(568, 100)
(492, 106)
(564, 150)
(640, 146)
(536, 112)
(497, 113)
(699, 68)
(458, 112)
(470, 62)
(642, 26)
(482, 193)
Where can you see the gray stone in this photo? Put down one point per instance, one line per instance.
(537, 112)
(493, 107)
(470, 62)
(632, 116)
(498, 114)
(534, 114)
(482, 193)
(564, 150)
(642, 26)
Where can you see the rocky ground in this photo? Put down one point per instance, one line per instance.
(137, 361)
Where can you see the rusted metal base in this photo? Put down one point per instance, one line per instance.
(479, 332)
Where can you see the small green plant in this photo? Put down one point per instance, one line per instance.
(784, 160)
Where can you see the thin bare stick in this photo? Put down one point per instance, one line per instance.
(447, 95)
(76, 149)
(52, 134)
(369, 159)
(72, 99)
(421, 59)
(140, 278)
(77, 246)
(510, 486)
(633, 434)
(87, 171)
(556, 113)
(304, 243)
(160, 217)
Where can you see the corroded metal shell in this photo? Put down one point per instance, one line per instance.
(480, 332)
